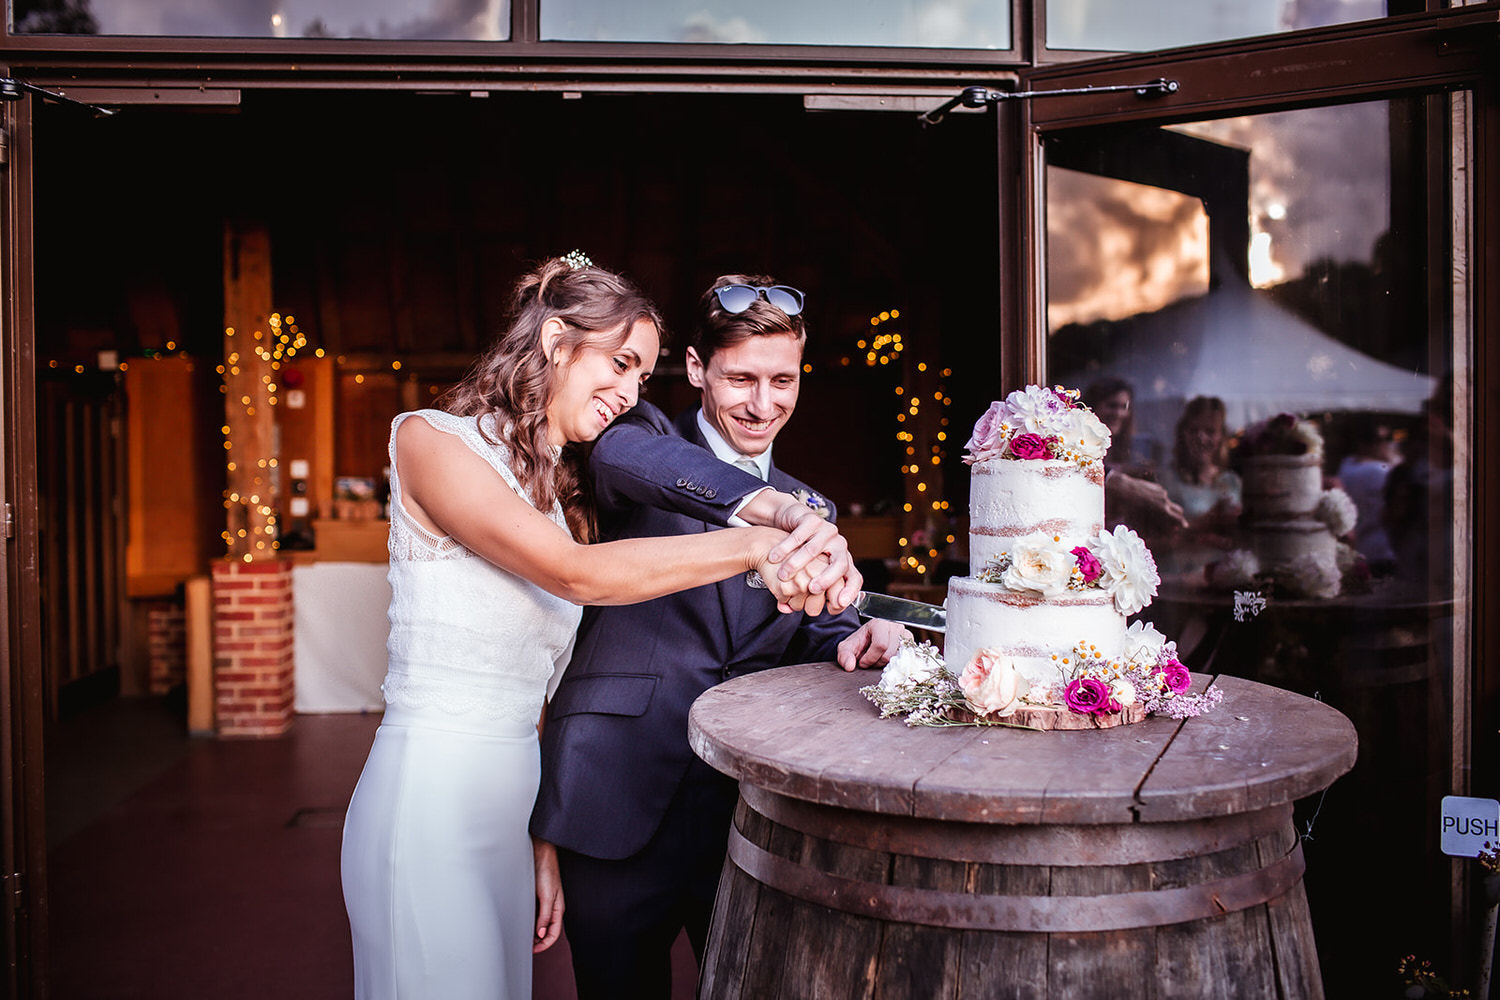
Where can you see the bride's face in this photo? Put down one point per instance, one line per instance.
(594, 385)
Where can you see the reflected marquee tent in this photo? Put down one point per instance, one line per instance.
(1255, 355)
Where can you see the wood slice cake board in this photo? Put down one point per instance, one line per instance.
(1057, 717)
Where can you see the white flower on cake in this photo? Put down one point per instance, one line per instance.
(1036, 410)
(1129, 572)
(1039, 563)
(1314, 574)
(991, 684)
(1237, 569)
(912, 664)
(1143, 643)
(1090, 437)
(1345, 557)
(1337, 511)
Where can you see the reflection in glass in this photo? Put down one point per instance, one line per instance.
(1244, 303)
(964, 24)
(469, 20)
(1125, 26)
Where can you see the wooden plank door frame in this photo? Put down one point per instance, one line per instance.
(23, 842)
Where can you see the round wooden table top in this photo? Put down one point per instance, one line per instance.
(806, 732)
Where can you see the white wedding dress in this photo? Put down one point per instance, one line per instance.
(437, 862)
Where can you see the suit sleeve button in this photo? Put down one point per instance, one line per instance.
(711, 494)
(681, 482)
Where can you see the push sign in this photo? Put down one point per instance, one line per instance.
(1468, 824)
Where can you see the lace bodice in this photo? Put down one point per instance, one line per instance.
(466, 636)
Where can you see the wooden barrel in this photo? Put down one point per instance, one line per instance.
(871, 860)
(825, 902)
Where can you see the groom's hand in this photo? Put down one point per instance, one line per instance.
(549, 896)
(872, 644)
(809, 538)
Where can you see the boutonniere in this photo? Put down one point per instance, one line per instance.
(815, 501)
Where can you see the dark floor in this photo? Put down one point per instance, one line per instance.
(198, 868)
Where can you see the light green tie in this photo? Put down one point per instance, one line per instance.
(748, 464)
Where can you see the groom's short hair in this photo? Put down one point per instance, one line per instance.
(717, 327)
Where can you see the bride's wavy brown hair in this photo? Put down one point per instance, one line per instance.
(515, 379)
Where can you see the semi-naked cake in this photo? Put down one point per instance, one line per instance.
(1037, 632)
(1038, 511)
(1036, 635)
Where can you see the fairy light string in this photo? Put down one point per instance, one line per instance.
(922, 434)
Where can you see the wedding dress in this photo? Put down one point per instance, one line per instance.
(437, 862)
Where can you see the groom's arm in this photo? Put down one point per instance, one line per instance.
(641, 461)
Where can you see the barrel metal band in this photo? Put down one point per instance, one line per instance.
(1056, 846)
(1032, 914)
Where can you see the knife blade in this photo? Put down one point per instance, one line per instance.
(916, 614)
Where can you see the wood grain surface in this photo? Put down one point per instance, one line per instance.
(806, 732)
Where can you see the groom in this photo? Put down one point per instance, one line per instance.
(640, 822)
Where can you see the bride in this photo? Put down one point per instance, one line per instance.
(446, 893)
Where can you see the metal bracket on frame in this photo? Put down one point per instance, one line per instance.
(979, 97)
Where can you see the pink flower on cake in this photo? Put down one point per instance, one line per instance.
(1087, 564)
(1176, 677)
(987, 440)
(1087, 696)
(1038, 564)
(991, 684)
(1129, 574)
(1030, 446)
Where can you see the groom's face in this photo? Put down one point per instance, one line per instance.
(749, 389)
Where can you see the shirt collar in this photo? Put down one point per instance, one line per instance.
(725, 452)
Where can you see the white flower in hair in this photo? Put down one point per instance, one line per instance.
(576, 259)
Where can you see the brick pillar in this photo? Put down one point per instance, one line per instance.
(253, 661)
(166, 629)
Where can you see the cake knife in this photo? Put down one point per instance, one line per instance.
(916, 614)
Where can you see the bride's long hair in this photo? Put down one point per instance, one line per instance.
(514, 380)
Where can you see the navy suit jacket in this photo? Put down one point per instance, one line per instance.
(615, 746)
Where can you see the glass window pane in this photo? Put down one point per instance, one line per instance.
(1256, 290)
(900, 23)
(415, 20)
(1128, 26)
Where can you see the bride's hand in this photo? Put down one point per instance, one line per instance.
(795, 594)
(549, 896)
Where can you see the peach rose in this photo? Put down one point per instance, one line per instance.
(991, 684)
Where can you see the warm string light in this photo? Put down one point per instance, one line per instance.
(923, 452)
(252, 366)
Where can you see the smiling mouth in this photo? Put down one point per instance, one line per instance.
(754, 426)
(604, 412)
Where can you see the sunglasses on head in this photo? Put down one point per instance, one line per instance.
(738, 298)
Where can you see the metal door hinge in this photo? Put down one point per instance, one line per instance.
(10, 521)
(15, 887)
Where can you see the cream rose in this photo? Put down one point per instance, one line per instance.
(1040, 564)
(991, 684)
